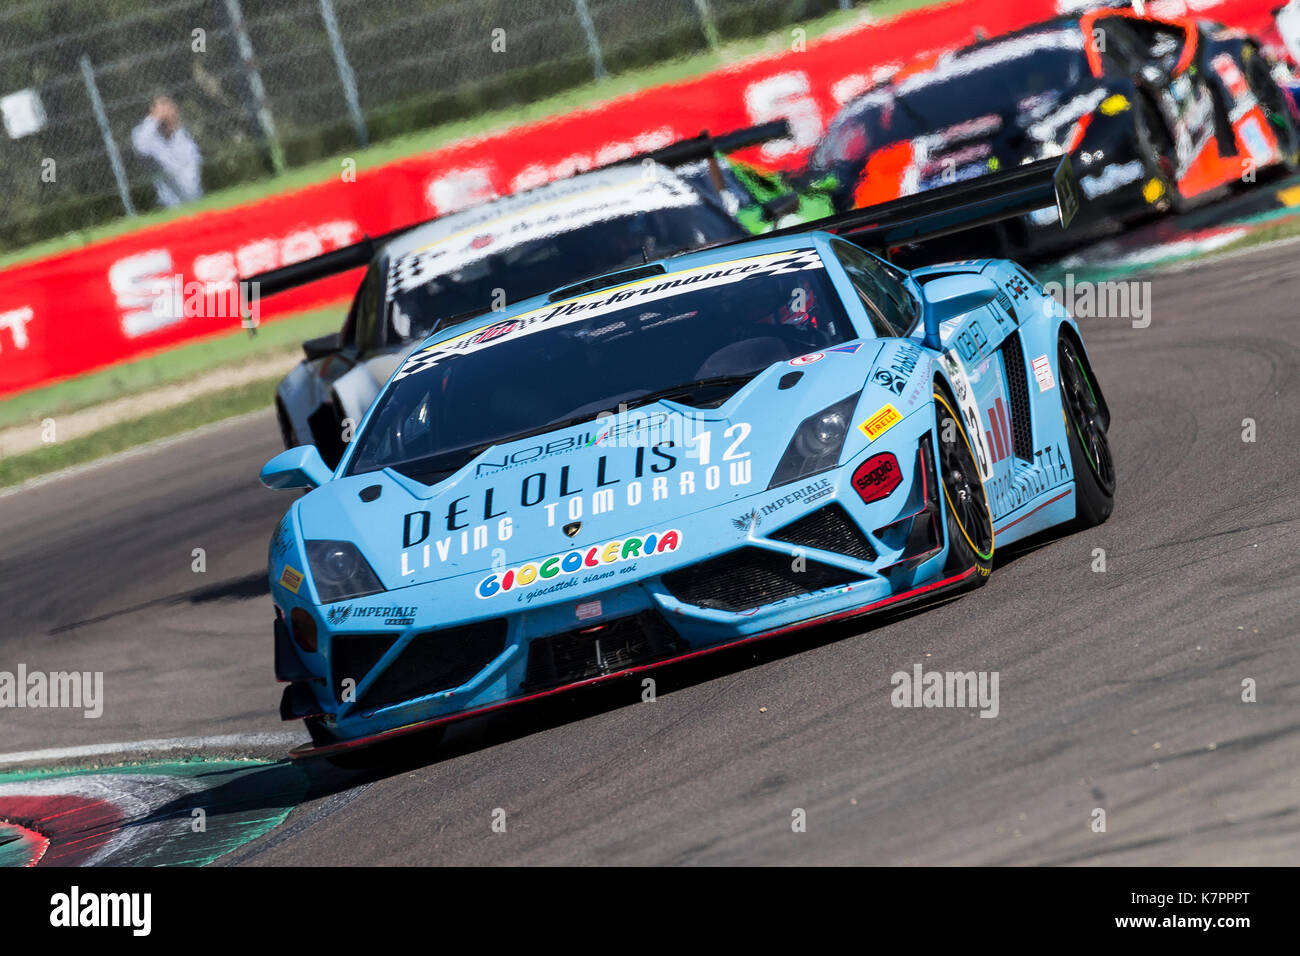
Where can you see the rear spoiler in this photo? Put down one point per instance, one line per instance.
(955, 208)
(705, 146)
(914, 219)
(323, 266)
(360, 253)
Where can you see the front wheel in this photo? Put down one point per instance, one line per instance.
(969, 520)
(1085, 426)
(1156, 150)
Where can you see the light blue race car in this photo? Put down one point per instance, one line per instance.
(706, 450)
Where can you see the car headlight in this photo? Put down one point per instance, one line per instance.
(817, 442)
(339, 570)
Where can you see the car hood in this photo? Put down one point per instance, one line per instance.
(575, 487)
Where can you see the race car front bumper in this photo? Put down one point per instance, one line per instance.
(833, 557)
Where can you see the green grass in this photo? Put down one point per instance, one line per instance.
(204, 410)
(1286, 227)
(401, 147)
(168, 368)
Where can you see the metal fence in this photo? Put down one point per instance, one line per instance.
(268, 85)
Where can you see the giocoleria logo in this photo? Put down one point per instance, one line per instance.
(580, 559)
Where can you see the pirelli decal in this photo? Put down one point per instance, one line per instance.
(881, 422)
(291, 578)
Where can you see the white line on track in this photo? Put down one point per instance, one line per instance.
(285, 739)
(1214, 258)
(145, 449)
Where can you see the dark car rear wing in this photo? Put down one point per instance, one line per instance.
(323, 266)
(360, 253)
(956, 208)
(912, 219)
(705, 146)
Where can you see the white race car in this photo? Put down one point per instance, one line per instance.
(484, 259)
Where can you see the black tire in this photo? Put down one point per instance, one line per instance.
(1086, 423)
(287, 433)
(1274, 103)
(968, 518)
(327, 433)
(1155, 148)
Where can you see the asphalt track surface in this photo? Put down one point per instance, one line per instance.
(1119, 690)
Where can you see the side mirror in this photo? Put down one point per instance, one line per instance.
(323, 346)
(951, 297)
(300, 467)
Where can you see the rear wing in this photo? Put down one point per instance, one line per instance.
(705, 146)
(323, 266)
(956, 208)
(360, 253)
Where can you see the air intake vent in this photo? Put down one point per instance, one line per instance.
(353, 655)
(751, 577)
(1013, 358)
(603, 649)
(436, 660)
(830, 529)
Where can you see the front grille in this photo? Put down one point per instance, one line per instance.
(601, 649)
(1013, 359)
(751, 577)
(830, 529)
(437, 660)
(353, 655)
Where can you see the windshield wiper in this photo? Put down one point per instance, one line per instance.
(688, 388)
(442, 464)
(540, 429)
(684, 389)
(434, 468)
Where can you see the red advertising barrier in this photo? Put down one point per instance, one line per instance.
(119, 299)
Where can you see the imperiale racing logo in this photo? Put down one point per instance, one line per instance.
(577, 560)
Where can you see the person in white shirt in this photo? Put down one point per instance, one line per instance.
(171, 151)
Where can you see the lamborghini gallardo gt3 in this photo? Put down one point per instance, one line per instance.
(697, 452)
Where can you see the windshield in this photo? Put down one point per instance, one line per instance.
(694, 337)
(1024, 74)
(506, 272)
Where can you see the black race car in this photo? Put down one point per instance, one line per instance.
(1156, 114)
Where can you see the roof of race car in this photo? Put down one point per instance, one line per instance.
(953, 66)
(562, 205)
(993, 52)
